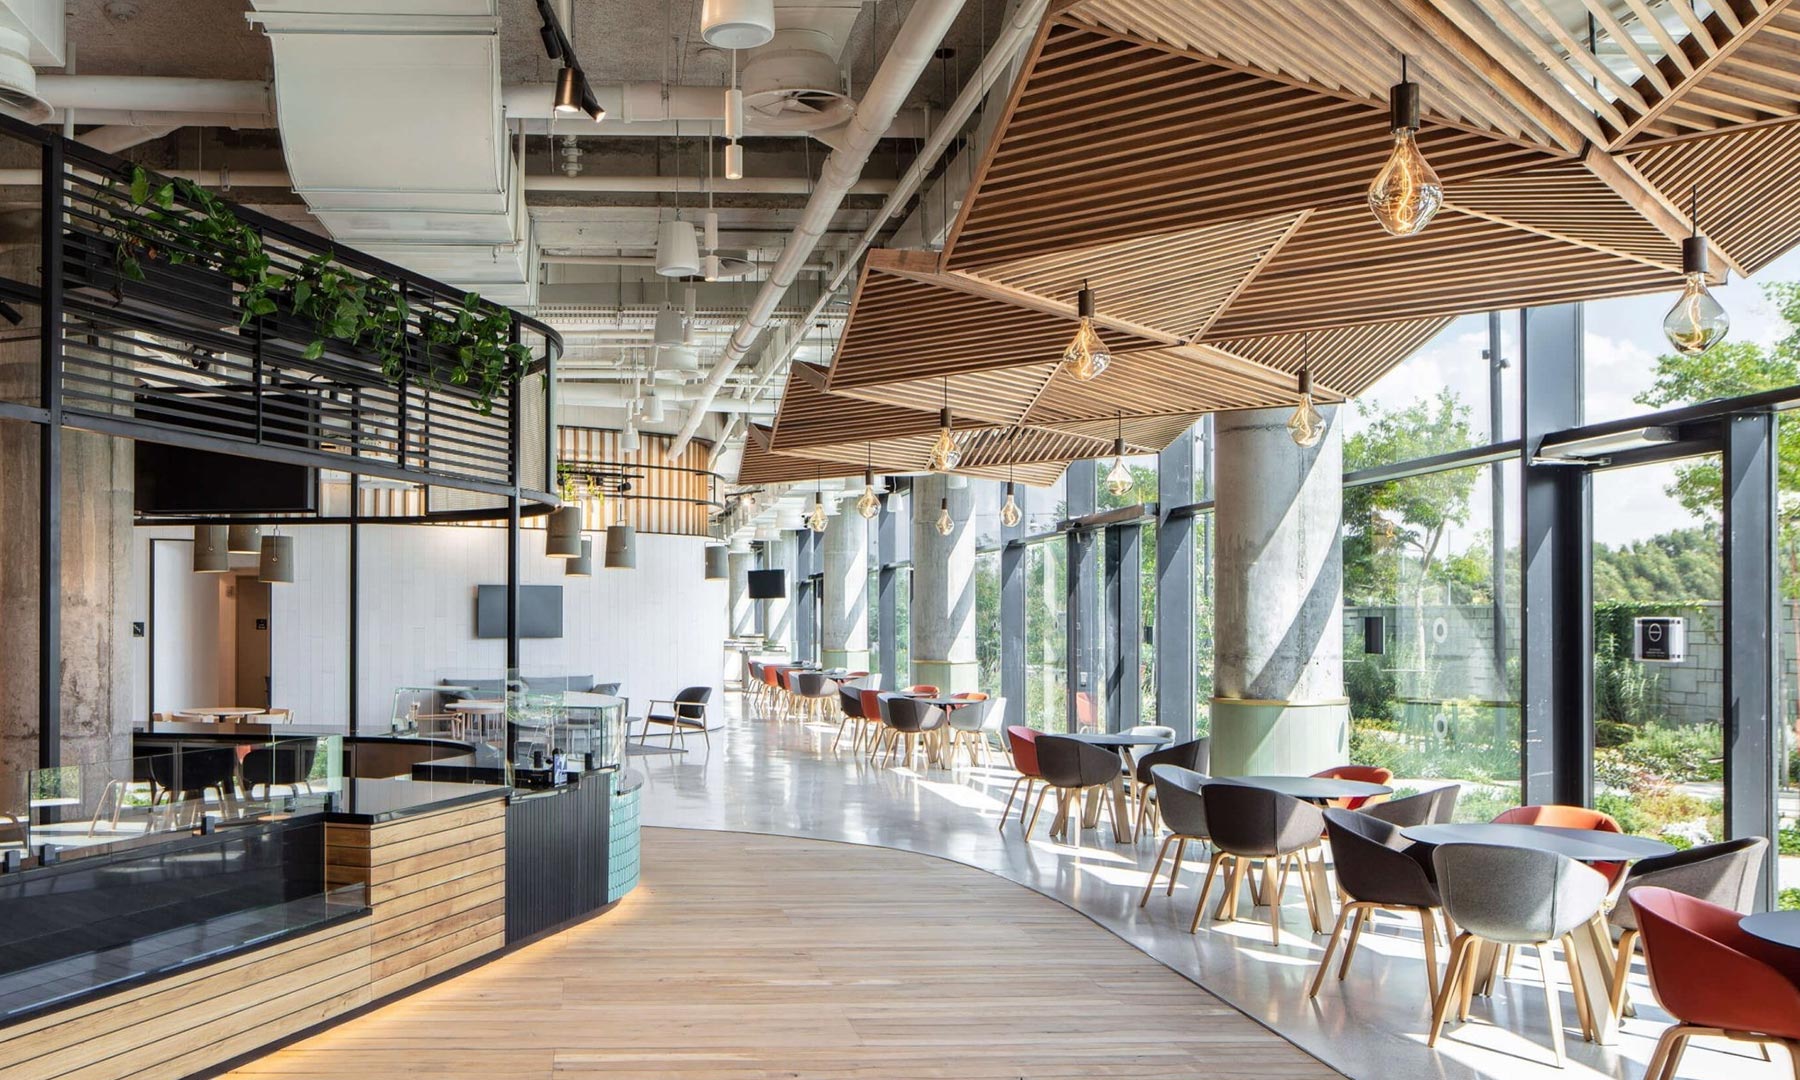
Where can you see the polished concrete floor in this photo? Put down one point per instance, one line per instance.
(782, 778)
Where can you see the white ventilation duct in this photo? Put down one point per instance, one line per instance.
(793, 83)
(394, 132)
(31, 37)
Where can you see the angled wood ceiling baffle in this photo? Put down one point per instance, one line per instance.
(762, 466)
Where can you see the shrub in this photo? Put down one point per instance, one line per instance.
(1375, 748)
(1624, 809)
(1482, 804)
(1788, 838)
(1370, 688)
(1789, 901)
(1678, 752)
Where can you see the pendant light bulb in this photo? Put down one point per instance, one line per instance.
(568, 92)
(868, 504)
(1087, 356)
(945, 523)
(1307, 426)
(1697, 322)
(1010, 515)
(1407, 191)
(1118, 478)
(816, 520)
(944, 454)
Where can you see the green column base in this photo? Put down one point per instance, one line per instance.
(949, 677)
(848, 659)
(1278, 738)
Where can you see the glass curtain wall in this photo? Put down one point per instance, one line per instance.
(1046, 634)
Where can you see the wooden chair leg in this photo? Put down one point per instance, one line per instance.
(1036, 809)
(1793, 1049)
(1577, 983)
(1552, 1001)
(1622, 971)
(1206, 887)
(1010, 796)
(1356, 929)
(1348, 911)
(1460, 959)
(1175, 871)
(1031, 783)
(1155, 869)
(1239, 869)
(1275, 899)
(1428, 933)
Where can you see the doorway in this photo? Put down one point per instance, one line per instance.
(252, 621)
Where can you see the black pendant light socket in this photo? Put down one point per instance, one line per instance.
(1084, 303)
(868, 478)
(1009, 488)
(944, 418)
(1305, 380)
(1693, 254)
(1403, 106)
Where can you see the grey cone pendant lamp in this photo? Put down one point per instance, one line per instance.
(244, 540)
(621, 547)
(564, 538)
(210, 556)
(277, 563)
(581, 565)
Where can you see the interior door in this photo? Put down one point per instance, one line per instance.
(253, 638)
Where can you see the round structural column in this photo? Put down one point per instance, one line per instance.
(943, 586)
(845, 640)
(741, 612)
(1278, 598)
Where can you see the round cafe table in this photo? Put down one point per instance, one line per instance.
(1313, 788)
(1593, 942)
(1122, 743)
(1777, 927)
(220, 712)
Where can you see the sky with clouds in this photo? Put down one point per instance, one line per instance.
(1622, 340)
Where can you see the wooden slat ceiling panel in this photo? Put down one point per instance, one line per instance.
(1351, 358)
(1749, 183)
(1151, 382)
(1363, 57)
(1175, 282)
(809, 416)
(1001, 395)
(907, 328)
(1566, 200)
(1036, 458)
(1143, 434)
(1341, 269)
(1075, 168)
(1729, 77)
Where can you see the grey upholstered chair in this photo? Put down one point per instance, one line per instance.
(812, 691)
(968, 725)
(850, 708)
(1434, 807)
(1195, 755)
(1184, 812)
(1250, 824)
(1378, 870)
(1511, 896)
(909, 719)
(1725, 874)
(1072, 768)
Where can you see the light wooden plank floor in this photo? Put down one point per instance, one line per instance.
(748, 956)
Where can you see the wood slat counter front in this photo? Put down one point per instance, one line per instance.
(433, 860)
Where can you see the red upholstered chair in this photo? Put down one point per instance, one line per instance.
(871, 718)
(922, 690)
(1367, 774)
(1559, 816)
(1713, 978)
(1022, 742)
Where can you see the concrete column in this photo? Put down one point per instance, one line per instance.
(740, 612)
(1278, 594)
(96, 552)
(943, 586)
(845, 640)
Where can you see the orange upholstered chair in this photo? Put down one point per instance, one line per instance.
(1714, 978)
(1366, 774)
(1558, 816)
(921, 690)
(1022, 742)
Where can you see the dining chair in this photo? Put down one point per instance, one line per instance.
(1366, 774)
(1556, 815)
(850, 708)
(1434, 807)
(873, 727)
(812, 691)
(1253, 824)
(686, 710)
(1195, 755)
(966, 724)
(1184, 812)
(288, 763)
(1378, 870)
(1021, 743)
(1725, 874)
(1714, 978)
(922, 690)
(911, 720)
(753, 682)
(1073, 768)
(1513, 896)
(201, 771)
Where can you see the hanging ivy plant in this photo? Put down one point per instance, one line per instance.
(471, 345)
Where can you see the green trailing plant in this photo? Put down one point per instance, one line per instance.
(179, 222)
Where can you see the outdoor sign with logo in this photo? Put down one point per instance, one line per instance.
(1660, 639)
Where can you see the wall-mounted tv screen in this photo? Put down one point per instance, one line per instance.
(540, 611)
(768, 584)
(185, 480)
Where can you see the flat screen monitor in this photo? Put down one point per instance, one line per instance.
(187, 480)
(540, 611)
(768, 584)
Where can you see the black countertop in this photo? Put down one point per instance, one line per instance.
(370, 802)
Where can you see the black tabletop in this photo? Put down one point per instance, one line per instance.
(1780, 927)
(1313, 788)
(948, 702)
(1584, 845)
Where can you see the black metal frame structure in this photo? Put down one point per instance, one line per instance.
(164, 355)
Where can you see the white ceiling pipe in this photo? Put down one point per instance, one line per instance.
(154, 93)
(753, 185)
(218, 178)
(116, 137)
(906, 60)
(1017, 34)
(631, 260)
(146, 118)
(603, 395)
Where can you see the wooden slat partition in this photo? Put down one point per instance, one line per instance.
(437, 886)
